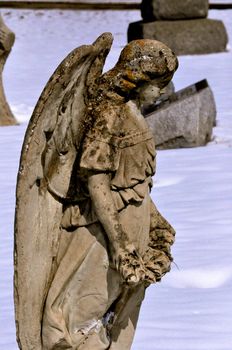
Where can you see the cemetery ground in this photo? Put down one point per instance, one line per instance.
(191, 309)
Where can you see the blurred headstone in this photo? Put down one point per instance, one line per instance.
(7, 38)
(173, 9)
(182, 25)
(197, 36)
(185, 119)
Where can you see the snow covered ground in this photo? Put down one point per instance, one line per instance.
(192, 308)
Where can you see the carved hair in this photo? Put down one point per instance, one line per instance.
(142, 61)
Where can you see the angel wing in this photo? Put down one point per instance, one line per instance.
(48, 155)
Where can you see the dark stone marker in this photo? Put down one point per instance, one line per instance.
(197, 36)
(173, 9)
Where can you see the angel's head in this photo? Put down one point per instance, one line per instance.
(144, 65)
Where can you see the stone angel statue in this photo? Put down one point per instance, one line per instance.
(88, 238)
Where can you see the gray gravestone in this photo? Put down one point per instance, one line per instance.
(186, 119)
(197, 36)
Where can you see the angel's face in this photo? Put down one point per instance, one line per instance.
(149, 92)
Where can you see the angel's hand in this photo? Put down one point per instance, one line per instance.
(129, 264)
(157, 263)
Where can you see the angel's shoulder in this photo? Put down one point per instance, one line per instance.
(107, 114)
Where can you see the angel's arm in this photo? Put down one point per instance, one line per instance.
(99, 189)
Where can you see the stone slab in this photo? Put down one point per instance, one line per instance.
(186, 119)
(173, 9)
(196, 36)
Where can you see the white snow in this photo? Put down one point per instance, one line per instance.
(191, 309)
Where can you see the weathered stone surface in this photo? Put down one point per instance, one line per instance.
(86, 162)
(197, 36)
(167, 92)
(173, 9)
(7, 38)
(186, 119)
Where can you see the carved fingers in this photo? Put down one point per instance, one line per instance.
(157, 264)
(150, 269)
(158, 258)
(130, 265)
